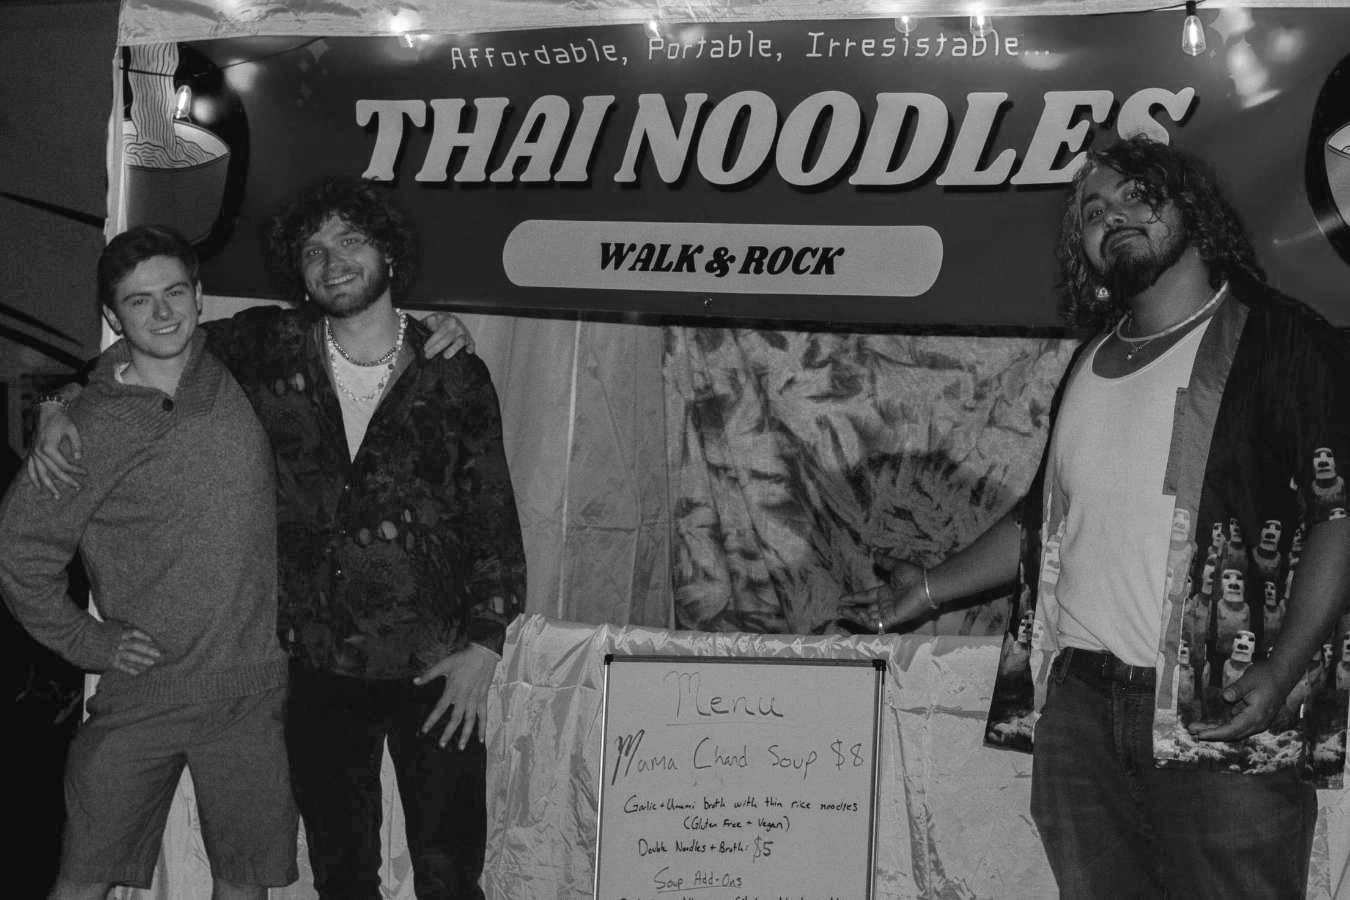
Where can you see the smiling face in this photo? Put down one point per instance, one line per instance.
(155, 307)
(344, 272)
(1128, 242)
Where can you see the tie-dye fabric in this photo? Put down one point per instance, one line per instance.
(795, 455)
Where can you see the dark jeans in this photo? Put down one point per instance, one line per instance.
(1115, 826)
(335, 729)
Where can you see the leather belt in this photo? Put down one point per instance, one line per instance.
(1106, 666)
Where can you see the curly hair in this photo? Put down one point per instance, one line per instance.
(358, 203)
(1164, 175)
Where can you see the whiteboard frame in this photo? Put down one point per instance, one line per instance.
(879, 667)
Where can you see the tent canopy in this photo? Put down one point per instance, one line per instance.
(155, 21)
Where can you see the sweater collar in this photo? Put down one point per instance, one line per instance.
(196, 388)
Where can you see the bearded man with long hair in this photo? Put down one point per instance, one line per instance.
(1178, 734)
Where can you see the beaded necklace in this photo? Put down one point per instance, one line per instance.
(388, 360)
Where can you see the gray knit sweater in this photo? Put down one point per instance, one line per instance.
(176, 522)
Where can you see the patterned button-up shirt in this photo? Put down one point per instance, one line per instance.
(1260, 439)
(393, 560)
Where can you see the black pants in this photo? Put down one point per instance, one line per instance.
(335, 730)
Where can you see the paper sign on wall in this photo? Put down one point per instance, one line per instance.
(738, 778)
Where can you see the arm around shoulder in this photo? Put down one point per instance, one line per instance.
(236, 340)
(54, 460)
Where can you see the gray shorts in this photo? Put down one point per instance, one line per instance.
(124, 767)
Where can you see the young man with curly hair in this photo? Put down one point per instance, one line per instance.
(399, 549)
(1186, 549)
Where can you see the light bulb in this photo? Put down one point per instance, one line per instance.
(980, 25)
(404, 25)
(182, 103)
(1192, 33)
(654, 27)
(904, 24)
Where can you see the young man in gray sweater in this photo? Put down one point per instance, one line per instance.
(176, 522)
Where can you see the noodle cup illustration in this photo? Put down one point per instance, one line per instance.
(185, 195)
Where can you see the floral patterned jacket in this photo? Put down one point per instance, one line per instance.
(1256, 439)
(394, 560)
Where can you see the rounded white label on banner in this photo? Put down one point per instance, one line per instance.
(850, 260)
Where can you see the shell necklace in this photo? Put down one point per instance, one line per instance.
(1137, 345)
(388, 360)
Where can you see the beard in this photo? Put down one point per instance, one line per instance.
(351, 303)
(1132, 270)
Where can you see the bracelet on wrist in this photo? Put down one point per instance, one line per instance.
(52, 397)
(928, 592)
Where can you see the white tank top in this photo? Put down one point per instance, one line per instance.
(1109, 452)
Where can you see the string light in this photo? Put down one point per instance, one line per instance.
(654, 27)
(904, 24)
(405, 24)
(182, 104)
(980, 24)
(1192, 32)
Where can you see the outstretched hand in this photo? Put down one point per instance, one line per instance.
(48, 464)
(448, 336)
(468, 674)
(899, 600)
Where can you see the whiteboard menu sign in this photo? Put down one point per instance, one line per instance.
(726, 777)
